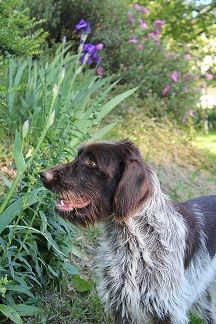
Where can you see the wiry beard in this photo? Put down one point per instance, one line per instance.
(83, 216)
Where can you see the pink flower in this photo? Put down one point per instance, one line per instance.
(183, 120)
(137, 7)
(99, 71)
(209, 76)
(140, 47)
(130, 19)
(170, 54)
(154, 35)
(142, 24)
(133, 40)
(99, 46)
(145, 11)
(191, 113)
(187, 77)
(174, 76)
(166, 89)
(158, 23)
(187, 57)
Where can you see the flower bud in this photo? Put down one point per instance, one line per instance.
(62, 74)
(99, 47)
(51, 119)
(25, 128)
(64, 40)
(55, 90)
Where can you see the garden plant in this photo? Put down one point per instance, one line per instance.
(73, 71)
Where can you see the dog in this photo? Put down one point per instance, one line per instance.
(156, 262)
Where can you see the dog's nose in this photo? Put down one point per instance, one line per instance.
(46, 176)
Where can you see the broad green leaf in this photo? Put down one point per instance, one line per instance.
(53, 272)
(20, 289)
(18, 156)
(17, 206)
(47, 236)
(70, 268)
(8, 215)
(10, 312)
(84, 123)
(80, 284)
(27, 310)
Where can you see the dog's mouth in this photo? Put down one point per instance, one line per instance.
(70, 205)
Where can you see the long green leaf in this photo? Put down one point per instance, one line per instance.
(27, 310)
(102, 131)
(18, 156)
(10, 312)
(114, 102)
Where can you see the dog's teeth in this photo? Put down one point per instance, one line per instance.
(62, 203)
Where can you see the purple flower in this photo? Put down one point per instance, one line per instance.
(83, 26)
(137, 7)
(209, 76)
(99, 71)
(89, 53)
(133, 40)
(174, 76)
(86, 59)
(158, 23)
(142, 24)
(96, 58)
(90, 48)
(166, 89)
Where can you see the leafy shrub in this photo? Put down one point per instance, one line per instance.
(161, 73)
(19, 34)
(106, 17)
(63, 102)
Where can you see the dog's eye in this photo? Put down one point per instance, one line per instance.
(91, 163)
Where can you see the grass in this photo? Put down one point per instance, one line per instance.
(207, 143)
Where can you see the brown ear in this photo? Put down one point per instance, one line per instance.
(133, 189)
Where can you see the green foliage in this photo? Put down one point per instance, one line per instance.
(106, 17)
(80, 284)
(63, 104)
(154, 68)
(19, 34)
(185, 20)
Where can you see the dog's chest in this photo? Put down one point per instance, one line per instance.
(131, 272)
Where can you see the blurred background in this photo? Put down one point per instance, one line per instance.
(73, 71)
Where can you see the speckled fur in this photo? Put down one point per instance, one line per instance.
(141, 267)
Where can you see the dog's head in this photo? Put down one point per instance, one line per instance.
(105, 180)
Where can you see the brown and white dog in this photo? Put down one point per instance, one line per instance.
(156, 262)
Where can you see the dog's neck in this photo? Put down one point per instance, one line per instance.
(156, 221)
